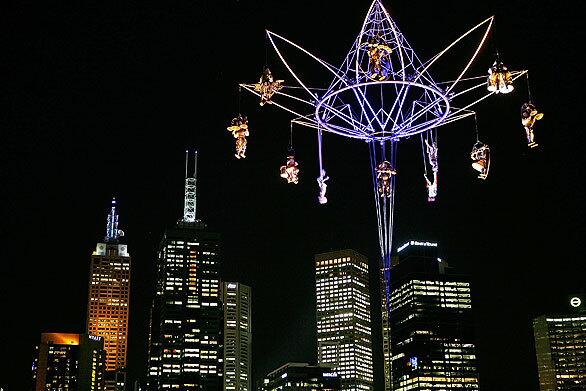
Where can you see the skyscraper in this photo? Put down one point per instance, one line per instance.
(560, 345)
(70, 362)
(430, 322)
(301, 377)
(109, 299)
(237, 336)
(185, 351)
(344, 338)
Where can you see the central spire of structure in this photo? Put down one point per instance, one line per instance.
(112, 232)
(189, 208)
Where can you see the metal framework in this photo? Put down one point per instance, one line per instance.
(381, 93)
(189, 206)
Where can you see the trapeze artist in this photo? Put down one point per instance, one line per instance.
(239, 129)
(530, 114)
(290, 171)
(480, 156)
(432, 156)
(384, 171)
(378, 52)
(323, 186)
(500, 79)
(267, 86)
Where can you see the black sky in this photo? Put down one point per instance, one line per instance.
(101, 98)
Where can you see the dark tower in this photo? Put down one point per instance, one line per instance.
(185, 351)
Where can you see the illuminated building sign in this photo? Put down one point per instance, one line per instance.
(575, 302)
(416, 243)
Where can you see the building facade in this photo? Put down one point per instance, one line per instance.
(109, 299)
(429, 323)
(301, 377)
(71, 362)
(560, 346)
(343, 317)
(186, 329)
(236, 298)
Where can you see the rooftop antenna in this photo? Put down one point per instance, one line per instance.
(189, 207)
(112, 233)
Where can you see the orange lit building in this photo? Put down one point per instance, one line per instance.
(69, 362)
(109, 299)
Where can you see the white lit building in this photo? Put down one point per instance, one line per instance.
(560, 346)
(237, 336)
(343, 317)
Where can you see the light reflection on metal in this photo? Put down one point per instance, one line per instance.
(239, 129)
(530, 114)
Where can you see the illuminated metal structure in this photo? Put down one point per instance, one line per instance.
(186, 327)
(109, 298)
(382, 97)
(73, 362)
(344, 334)
(431, 323)
(236, 298)
(560, 346)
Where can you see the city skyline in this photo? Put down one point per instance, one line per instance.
(112, 75)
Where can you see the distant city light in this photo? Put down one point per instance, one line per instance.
(416, 243)
(575, 302)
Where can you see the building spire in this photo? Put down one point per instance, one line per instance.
(189, 206)
(112, 232)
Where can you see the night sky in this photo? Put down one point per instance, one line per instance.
(101, 99)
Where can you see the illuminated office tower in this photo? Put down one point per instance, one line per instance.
(343, 317)
(109, 299)
(430, 322)
(186, 332)
(301, 377)
(72, 362)
(560, 345)
(237, 336)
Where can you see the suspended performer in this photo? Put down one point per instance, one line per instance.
(384, 171)
(431, 187)
(530, 114)
(267, 86)
(290, 171)
(239, 129)
(323, 187)
(432, 155)
(377, 52)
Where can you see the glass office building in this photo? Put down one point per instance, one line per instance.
(560, 346)
(343, 317)
(429, 340)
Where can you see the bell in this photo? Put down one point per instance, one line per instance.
(479, 165)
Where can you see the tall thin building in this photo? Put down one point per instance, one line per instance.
(72, 362)
(344, 338)
(109, 298)
(186, 340)
(430, 323)
(560, 346)
(237, 336)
